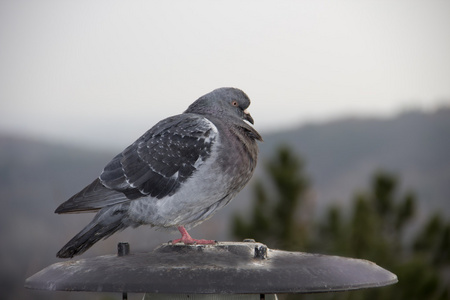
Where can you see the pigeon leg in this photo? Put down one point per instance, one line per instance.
(188, 240)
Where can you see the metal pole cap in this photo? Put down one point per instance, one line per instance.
(223, 268)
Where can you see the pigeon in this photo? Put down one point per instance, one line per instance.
(176, 175)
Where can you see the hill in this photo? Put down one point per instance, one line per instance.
(340, 157)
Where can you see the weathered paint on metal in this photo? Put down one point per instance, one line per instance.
(224, 268)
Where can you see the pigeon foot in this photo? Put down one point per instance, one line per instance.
(188, 240)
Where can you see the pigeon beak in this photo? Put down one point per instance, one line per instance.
(248, 117)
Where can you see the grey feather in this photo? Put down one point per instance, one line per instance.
(106, 222)
(92, 198)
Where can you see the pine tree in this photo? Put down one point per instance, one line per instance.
(372, 228)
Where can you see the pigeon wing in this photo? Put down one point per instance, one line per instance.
(156, 165)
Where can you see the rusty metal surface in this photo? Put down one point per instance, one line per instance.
(224, 268)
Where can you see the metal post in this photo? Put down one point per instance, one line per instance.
(122, 250)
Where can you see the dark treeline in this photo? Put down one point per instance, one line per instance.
(377, 226)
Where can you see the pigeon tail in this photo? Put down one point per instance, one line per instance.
(104, 224)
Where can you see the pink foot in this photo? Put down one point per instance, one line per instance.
(188, 240)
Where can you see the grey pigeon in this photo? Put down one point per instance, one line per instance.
(178, 174)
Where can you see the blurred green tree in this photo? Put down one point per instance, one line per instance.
(375, 227)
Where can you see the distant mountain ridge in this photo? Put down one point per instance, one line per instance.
(340, 157)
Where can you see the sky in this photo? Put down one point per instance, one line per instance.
(103, 72)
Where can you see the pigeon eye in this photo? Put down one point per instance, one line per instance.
(234, 103)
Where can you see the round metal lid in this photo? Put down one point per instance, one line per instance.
(224, 268)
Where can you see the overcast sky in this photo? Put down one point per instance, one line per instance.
(103, 72)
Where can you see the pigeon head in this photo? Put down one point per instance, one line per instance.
(230, 103)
